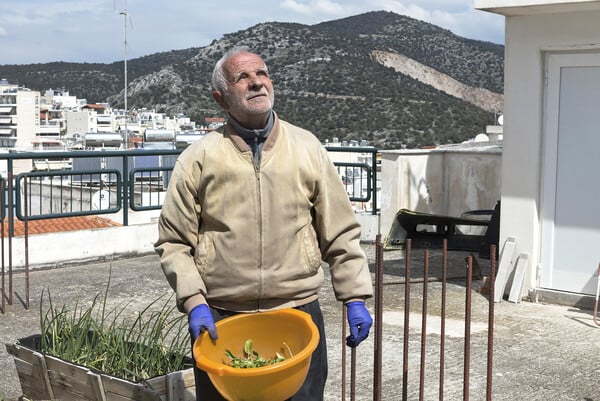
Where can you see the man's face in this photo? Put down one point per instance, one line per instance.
(249, 96)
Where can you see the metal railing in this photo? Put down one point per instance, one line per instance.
(360, 178)
(414, 385)
(96, 182)
(127, 188)
(112, 173)
(131, 188)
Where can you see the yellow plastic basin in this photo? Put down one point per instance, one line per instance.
(268, 331)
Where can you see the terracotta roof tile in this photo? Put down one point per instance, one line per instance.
(60, 224)
(94, 106)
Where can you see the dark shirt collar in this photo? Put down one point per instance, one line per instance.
(260, 133)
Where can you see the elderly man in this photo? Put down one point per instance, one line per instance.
(250, 214)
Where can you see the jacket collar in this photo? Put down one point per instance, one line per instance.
(235, 137)
(251, 134)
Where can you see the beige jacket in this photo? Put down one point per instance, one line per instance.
(251, 239)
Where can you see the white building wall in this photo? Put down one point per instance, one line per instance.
(101, 243)
(531, 32)
(28, 118)
(65, 101)
(81, 122)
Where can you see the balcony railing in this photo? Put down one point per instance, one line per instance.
(79, 183)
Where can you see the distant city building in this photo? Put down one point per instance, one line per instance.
(57, 120)
(19, 115)
(80, 122)
(214, 122)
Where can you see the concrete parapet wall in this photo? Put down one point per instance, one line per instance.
(64, 248)
(56, 249)
(444, 181)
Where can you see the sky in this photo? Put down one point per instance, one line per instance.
(95, 31)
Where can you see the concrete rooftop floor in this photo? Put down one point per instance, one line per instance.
(541, 351)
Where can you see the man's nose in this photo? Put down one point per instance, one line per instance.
(256, 82)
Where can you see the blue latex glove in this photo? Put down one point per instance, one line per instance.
(199, 320)
(360, 322)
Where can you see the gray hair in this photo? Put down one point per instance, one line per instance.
(219, 81)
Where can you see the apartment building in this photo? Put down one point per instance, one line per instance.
(80, 122)
(54, 106)
(19, 115)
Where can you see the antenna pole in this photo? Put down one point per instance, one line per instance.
(124, 14)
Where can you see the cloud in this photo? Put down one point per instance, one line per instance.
(35, 12)
(410, 9)
(41, 31)
(315, 7)
(452, 6)
(458, 16)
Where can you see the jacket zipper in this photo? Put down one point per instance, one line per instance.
(260, 221)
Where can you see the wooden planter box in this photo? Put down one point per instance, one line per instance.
(47, 377)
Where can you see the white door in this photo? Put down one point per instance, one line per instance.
(570, 209)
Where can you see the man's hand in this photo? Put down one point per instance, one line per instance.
(199, 320)
(360, 322)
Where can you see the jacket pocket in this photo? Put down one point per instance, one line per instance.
(205, 253)
(311, 250)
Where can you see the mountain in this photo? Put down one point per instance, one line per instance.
(382, 77)
(95, 82)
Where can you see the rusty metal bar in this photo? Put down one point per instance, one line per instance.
(490, 349)
(408, 257)
(377, 353)
(432, 279)
(424, 326)
(353, 374)
(443, 317)
(10, 229)
(344, 356)
(595, 313)
(3, 294)
(26, 238)
(344, 361)
(467, 349)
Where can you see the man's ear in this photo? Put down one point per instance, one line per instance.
(219, 98)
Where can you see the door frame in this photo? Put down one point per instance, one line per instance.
(553, 63)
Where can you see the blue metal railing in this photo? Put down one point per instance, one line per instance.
(361, 183)
(115, 183)
(104, 181)
(141, 181)
(66, 193)
(50, 186)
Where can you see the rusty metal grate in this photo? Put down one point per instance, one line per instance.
(416, 380)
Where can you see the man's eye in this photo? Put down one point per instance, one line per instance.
(246, 76)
